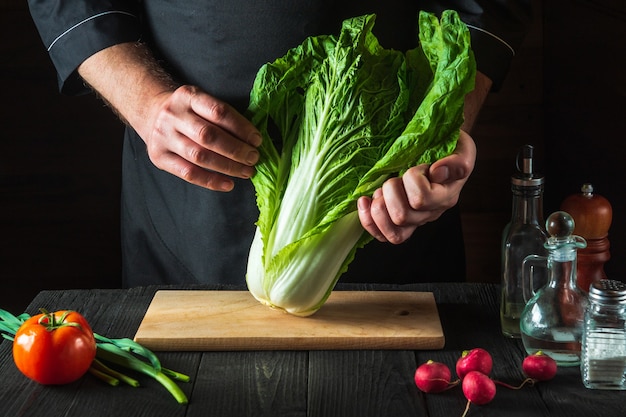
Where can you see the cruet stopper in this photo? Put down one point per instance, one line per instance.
(560, 226)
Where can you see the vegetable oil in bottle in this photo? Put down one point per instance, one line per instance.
(524, 235)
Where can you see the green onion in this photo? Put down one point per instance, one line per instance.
(131, 346)
(101, 367)
(175, 375)
(122, 352)
(104, 376)
(113, 354)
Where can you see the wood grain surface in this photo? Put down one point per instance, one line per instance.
(300, 383)
(234, 320)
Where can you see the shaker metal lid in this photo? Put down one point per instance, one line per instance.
(608, 290)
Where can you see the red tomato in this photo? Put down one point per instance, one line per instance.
(54, 348)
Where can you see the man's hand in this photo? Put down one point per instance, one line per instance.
(200, 139)
(187, 132)
(420, 196)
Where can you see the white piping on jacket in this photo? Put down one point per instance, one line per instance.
(493, 36)
(87, 20)
(130, 14)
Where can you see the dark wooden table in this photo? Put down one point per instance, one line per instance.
(303, 383)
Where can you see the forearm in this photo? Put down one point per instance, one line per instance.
(188, 133)
(475, 100)
(128, 78)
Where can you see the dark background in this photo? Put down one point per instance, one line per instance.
(60, 157)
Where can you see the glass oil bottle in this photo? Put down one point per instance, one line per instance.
(524, 235)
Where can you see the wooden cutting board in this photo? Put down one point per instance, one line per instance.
(191, 320)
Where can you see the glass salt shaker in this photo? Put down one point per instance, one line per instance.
(603, 364)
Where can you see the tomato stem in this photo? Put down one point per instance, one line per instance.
(51, 323)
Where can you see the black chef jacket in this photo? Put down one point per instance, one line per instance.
(175, 232)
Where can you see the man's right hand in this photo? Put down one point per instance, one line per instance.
(187, 132)
(200, 139)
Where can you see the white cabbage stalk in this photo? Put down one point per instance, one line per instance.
(308, 274)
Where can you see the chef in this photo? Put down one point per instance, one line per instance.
(179, 74)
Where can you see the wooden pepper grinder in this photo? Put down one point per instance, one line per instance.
(592, 215)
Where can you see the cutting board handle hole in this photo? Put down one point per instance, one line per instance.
(403, 313)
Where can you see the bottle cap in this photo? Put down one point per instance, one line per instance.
(526, 176)
(608, 291)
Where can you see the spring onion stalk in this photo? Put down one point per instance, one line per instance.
(99, 367)
(113, 354)
(175, 375)
(131, 346)
(105, 375)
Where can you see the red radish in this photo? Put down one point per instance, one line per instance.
(539, 366)
(433, 377)
(478, 388)
(474, 360)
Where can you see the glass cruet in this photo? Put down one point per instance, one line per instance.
(552, 320)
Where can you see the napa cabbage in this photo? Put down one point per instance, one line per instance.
(339, 115)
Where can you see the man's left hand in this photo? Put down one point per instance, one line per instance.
(419, 196)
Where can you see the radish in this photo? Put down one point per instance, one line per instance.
(539, 366)
(433, 377)
(473, 369)
(474, 360)
(478, 388)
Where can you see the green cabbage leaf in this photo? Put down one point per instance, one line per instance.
(339, 115)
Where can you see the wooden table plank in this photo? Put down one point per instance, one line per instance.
(242, 384)
(364, 383)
